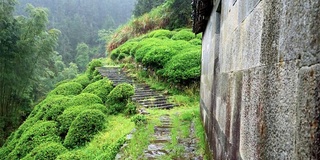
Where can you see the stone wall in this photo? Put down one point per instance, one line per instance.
(260, 83)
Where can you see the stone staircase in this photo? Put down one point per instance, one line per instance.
(144, 95)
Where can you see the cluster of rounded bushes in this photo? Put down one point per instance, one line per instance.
(174, 55)
(70, 116)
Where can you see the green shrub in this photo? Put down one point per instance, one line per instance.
(74, 155)
(100, 88)
(92, 67)
(126, 48)
(195, 42)
(69, 115)
(121, 56)
(85, 99)
(84, 127)
(40, 132)
(53, 107)
(82, 79)
(157, 57)
(61, 82)
(114, 54)
(184, 34)
(139, 119)
(66, 89)
(118, 98)
(160, 33)
(120, 93)
(112, 150)
(183, 68)
(131, 109)
(46, 151)
(145, 46)
(96, 76)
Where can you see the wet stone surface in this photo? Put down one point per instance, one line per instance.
(161, 136)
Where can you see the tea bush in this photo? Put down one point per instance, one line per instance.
(122, 92)
(82, 79)
(183, 68)
(158, 56)
(46, 151)
(40, 132)
(195, 42)
(84, 127)
(100, 88)
(85, 99)
(184, 34)
(131, 109)
(92, 67)
(160, 33)
(96, 76)
(66, 89)
(69, 115)
(118, 98)
(73, 155)
(53, 107)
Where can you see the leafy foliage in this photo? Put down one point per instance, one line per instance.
(91, 68)
(186, 35)
(100, 88)
(184, 68)
(85, 99)
(139, 119)
(82, 79)
(73, 155)
(176, 60)
(131, 109)
(144, 6)
(82, 57)
(69, 115)
(40, 132)
(119, 97)
(27, 50)
(84, 127)
(66, 89)
(46, 151)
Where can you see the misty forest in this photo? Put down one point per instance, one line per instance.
(99, 79)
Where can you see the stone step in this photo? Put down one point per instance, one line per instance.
(159, 98)
(160, 106)
(154, 102)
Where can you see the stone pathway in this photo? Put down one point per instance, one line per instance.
(162, 135)
(144, 95)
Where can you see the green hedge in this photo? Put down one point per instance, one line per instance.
(160, 33)
(66, 89)
(184, 34)
(85, 99)
(92, 67)
(183, 68)
(84, 127)
(119, 97)
(40, 132)
(69, 115)
(74, 155)
(100, 88)
(82, 79)
(46, 151)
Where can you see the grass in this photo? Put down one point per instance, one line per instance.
(118, 127)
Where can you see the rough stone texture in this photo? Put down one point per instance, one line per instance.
(260, 83)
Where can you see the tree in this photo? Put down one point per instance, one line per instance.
(26, 50)
(144, 6)
(82, 58)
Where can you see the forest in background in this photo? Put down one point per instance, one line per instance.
(43, 42)
(55, 42)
